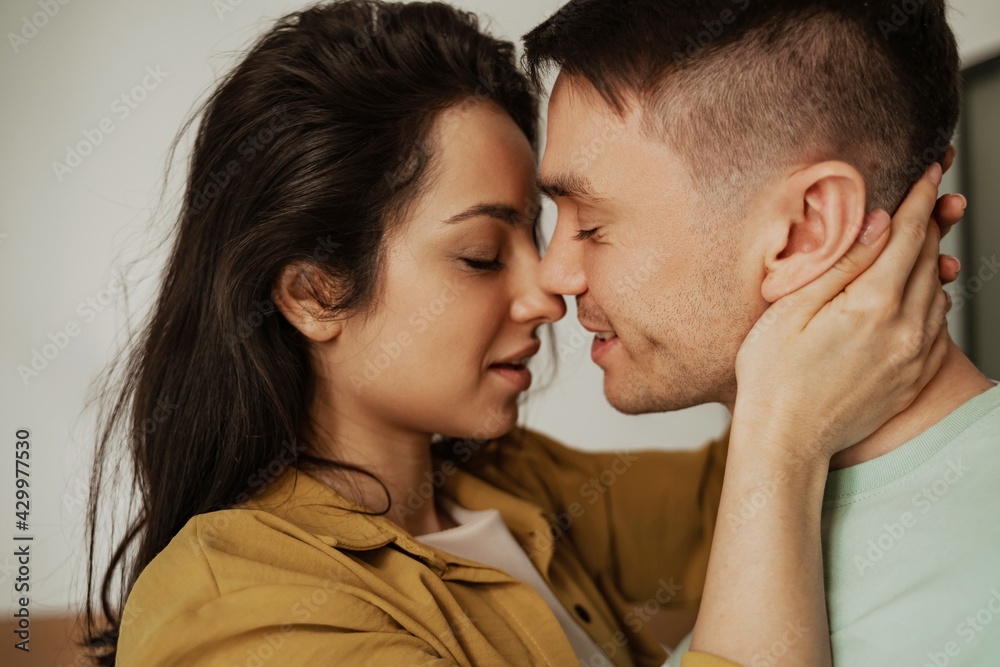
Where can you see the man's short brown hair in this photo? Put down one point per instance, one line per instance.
(742, 88)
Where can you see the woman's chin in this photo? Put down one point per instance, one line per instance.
(495, 422)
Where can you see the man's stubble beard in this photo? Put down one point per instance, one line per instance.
(669, 383)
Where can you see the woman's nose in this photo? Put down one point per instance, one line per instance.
(534, 302)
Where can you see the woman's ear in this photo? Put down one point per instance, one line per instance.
(294, 294)
(819, 215)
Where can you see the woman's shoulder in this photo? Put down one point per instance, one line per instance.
(219, 551)
(243, 579)
(229, 564)
(292, 530)
(207, 552)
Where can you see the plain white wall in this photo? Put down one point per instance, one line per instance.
(66, 237)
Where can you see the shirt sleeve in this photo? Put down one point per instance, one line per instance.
(698, 659)
(645, 518)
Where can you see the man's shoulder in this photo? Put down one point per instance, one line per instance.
(982, 415)
(974, 429)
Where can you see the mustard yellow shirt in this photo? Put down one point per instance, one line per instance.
(299, 575)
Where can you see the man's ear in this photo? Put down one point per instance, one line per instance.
(819, 213)
(294, 293)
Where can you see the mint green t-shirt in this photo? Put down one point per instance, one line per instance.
(911, 549)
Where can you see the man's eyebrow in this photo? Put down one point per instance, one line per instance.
(568, 185)
(502, 212)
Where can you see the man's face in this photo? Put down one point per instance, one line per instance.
(671, 279)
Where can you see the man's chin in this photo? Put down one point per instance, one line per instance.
(638, 398)
(629, 400)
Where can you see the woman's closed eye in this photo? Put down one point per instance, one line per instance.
(483, 264)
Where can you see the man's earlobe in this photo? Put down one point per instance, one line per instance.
(294, 293)
(820, 216)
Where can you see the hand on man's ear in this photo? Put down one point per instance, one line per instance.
(802, 233)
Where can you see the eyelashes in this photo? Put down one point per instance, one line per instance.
(483, 265)
(495, 264)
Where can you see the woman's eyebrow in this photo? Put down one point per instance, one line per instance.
(503, 212)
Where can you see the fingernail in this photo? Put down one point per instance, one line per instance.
(876, 222)
(935, 173)
(965, 202)
(958, 264)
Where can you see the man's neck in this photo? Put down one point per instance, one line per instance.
(956, 382)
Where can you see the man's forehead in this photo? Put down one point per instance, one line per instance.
(572, 110)
(572, 133)
(582, 123)
(585, 139)
(574, 94)
(577, 89)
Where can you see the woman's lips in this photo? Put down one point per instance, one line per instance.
(517, 374)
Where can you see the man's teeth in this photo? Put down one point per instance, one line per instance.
(605, 335)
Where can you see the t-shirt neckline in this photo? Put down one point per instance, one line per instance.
(863, 478)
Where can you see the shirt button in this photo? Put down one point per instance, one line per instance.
(582, 613)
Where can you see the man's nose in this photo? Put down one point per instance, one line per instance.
(561, 269)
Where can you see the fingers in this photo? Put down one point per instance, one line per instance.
(810, 298)
(924, 283)
(948, 211)
(948, 268)
(935, 358)
(937, 315)
(871, 266)
(909, 228)
(948, 159)
(950, 208)
(924, 347)
(925, 308)
(941, 308)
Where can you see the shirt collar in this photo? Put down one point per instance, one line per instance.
(313, 506)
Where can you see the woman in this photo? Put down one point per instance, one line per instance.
(342, 334)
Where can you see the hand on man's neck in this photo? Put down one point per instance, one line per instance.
(956, 382)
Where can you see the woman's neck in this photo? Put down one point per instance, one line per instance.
(400, 459)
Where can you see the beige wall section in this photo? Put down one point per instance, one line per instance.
(65, 237)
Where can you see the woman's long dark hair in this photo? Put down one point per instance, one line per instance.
(309, 151)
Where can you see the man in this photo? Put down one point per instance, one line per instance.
(730, 150)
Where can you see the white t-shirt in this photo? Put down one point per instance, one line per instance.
(483, 536)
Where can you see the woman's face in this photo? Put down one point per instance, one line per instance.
(460, 292)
